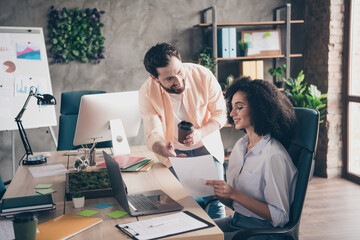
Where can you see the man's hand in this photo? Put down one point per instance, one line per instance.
(221, 188)
(193, 138)
(165, 149)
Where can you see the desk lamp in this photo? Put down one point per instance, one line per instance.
(42, 99)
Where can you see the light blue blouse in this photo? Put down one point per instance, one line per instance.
(265, 173)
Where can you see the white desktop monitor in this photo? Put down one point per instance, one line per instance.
(108, 116)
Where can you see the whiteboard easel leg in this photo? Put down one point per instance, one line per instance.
(13, 153)
(53, 136)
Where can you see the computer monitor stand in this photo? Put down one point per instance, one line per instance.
(119, 140)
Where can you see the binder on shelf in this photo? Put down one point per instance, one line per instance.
(65, 226)
(232, 42)
(223, 42)
(11, 206)
(164, 226)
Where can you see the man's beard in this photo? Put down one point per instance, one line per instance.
(173, 91)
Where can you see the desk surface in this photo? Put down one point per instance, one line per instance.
(157, 178)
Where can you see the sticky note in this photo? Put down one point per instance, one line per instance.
(87, 213)
(43, 186)
(46, 191)
(116, 214)
(103, 205)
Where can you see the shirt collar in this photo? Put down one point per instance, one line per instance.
(261, 144)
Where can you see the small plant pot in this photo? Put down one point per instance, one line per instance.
(280, 84)
(79, 202)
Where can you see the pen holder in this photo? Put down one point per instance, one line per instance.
(82, 159)
(92, 157)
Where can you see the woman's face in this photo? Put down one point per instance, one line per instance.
(240, 112)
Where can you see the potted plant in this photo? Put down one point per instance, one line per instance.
(78, 199)
(243, 47)
(279, 73)
(300, 96)
(205, 58)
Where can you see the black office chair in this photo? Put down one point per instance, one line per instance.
(302, 150)
(2, 187)
(69, 110)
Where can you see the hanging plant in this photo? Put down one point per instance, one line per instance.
(74, 34)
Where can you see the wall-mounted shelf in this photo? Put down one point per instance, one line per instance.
(248, 23)
(214, 25)
(259, 57)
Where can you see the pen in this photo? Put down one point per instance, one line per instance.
(156, 225)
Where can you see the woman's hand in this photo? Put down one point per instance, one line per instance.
(221, 188)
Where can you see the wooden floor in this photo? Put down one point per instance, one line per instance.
(331, 210)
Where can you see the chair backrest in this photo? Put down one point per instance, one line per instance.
(2, 188)
(69, 110)
(302, 150)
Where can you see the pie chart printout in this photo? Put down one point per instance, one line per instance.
(9, 66)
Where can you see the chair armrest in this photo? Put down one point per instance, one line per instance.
(7, 182)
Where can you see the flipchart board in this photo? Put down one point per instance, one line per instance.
(24, 64)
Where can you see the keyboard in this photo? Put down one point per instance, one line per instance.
(141, 202)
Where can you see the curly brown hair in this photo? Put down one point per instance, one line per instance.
(270, 110)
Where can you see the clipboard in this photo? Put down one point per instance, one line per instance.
(164, 226)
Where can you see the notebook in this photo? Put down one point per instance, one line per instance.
(65, 226)
(144, 203)
(125, 161)
(11, 206)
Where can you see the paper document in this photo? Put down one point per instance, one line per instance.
(6, 230)
(168, 225)
(48, 170)
(193, 171)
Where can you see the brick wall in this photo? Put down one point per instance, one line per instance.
(324, 24)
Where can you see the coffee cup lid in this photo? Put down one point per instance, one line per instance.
(185, 125)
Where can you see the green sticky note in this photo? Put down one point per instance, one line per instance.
(116, 214)
(43, 186)
(267, 34)
(46, 191)
(87, 213)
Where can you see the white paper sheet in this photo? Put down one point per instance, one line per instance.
(193, 171)
(48, 170)
(6, 230)
(163, 226)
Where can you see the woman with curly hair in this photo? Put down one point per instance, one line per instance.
(261, 176)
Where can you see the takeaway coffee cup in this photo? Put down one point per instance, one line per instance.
(184, 128)
(25, 225)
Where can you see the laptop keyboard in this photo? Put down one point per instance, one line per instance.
(141, 202)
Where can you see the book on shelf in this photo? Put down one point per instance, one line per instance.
(65, 226)
(11, 206)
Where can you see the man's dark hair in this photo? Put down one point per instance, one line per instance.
(270, 110)
(159, 56)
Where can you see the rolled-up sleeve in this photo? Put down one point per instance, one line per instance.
(279, 176)
(217, 106)
(152, 124)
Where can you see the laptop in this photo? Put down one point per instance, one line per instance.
(138, 204)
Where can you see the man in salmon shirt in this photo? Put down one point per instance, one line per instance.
(176, 92)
